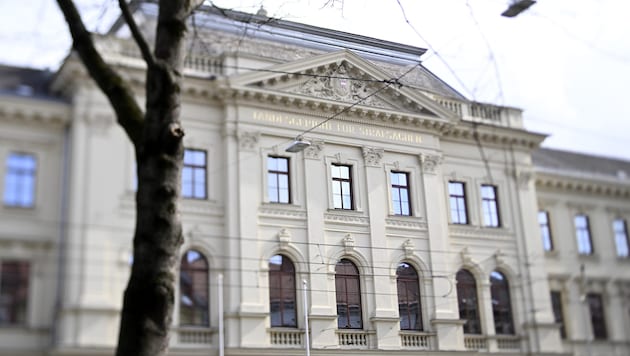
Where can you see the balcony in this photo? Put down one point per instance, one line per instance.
(286, 338)
(193, 336)
(476, 342)
(354, 339)
(410, 340)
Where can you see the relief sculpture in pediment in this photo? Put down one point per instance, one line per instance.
(341, 84)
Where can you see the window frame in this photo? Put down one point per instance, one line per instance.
(622, 241)
(277, 174)
(17, 183)
(597, 313)
(458, 198)
(582, 233)
(409, 282)
(545, 230)
(17, 310)
(487, 204)
(204, 271)
(340, 182)
(397, 188)
(470, 288)
(195, 168)
(280, 274)
(342, 296)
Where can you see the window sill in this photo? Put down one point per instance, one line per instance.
(552, 253)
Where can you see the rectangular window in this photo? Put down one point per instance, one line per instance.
(621, 237)
(278, 180)
(598, 321)
(558, 315)
(342, 187)
(194, 174)
(400, 193)
(19, 180)
(583, 235)
(545, 230)
(457, 200)
(490, 206)
(14, 283)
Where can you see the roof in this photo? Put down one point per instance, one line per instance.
(396, 58)
(573, 162)
(22, 81)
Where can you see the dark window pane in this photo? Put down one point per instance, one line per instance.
(467, 301)
(501, 304)
(14, 291)
(282, 292)
(598, 320)
(408, 297)
(348, 292)
(558, 314)
(194, 293)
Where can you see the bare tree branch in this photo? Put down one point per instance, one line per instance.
(118, 92)
(137, 35)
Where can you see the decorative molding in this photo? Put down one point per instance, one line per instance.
(429, 162)
(467, 231)
(605, 187)
(410, 223)
(288, 213)
(334, 82)
(314, 151)
(408, 247)
(248, 141)
(465, 256)
(284, 236)
(100, 123)
(348, 243)
(372, 156)
(346, 218)
(499, 257)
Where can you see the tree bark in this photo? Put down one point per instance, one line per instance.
(157, 137)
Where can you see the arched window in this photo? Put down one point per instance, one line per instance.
(501, 306)
(193, 290)
(409, 307)
(349, 315)
(467, 300)
(282, 305)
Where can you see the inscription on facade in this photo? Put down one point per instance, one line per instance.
(336, 126)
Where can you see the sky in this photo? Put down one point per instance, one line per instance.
(566, 63)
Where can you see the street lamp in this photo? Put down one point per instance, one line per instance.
(298, 145)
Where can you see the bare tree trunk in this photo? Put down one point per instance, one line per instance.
(157, 137)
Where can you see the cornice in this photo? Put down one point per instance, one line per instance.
(33, 110)
(494, 135)
(584, 184)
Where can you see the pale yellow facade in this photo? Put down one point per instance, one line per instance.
(247, 99)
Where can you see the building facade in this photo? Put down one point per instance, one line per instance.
(408, 225)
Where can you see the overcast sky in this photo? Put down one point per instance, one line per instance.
(565, 62)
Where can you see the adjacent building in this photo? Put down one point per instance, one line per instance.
(416, 221)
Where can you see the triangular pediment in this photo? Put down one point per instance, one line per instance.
(342, 77)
